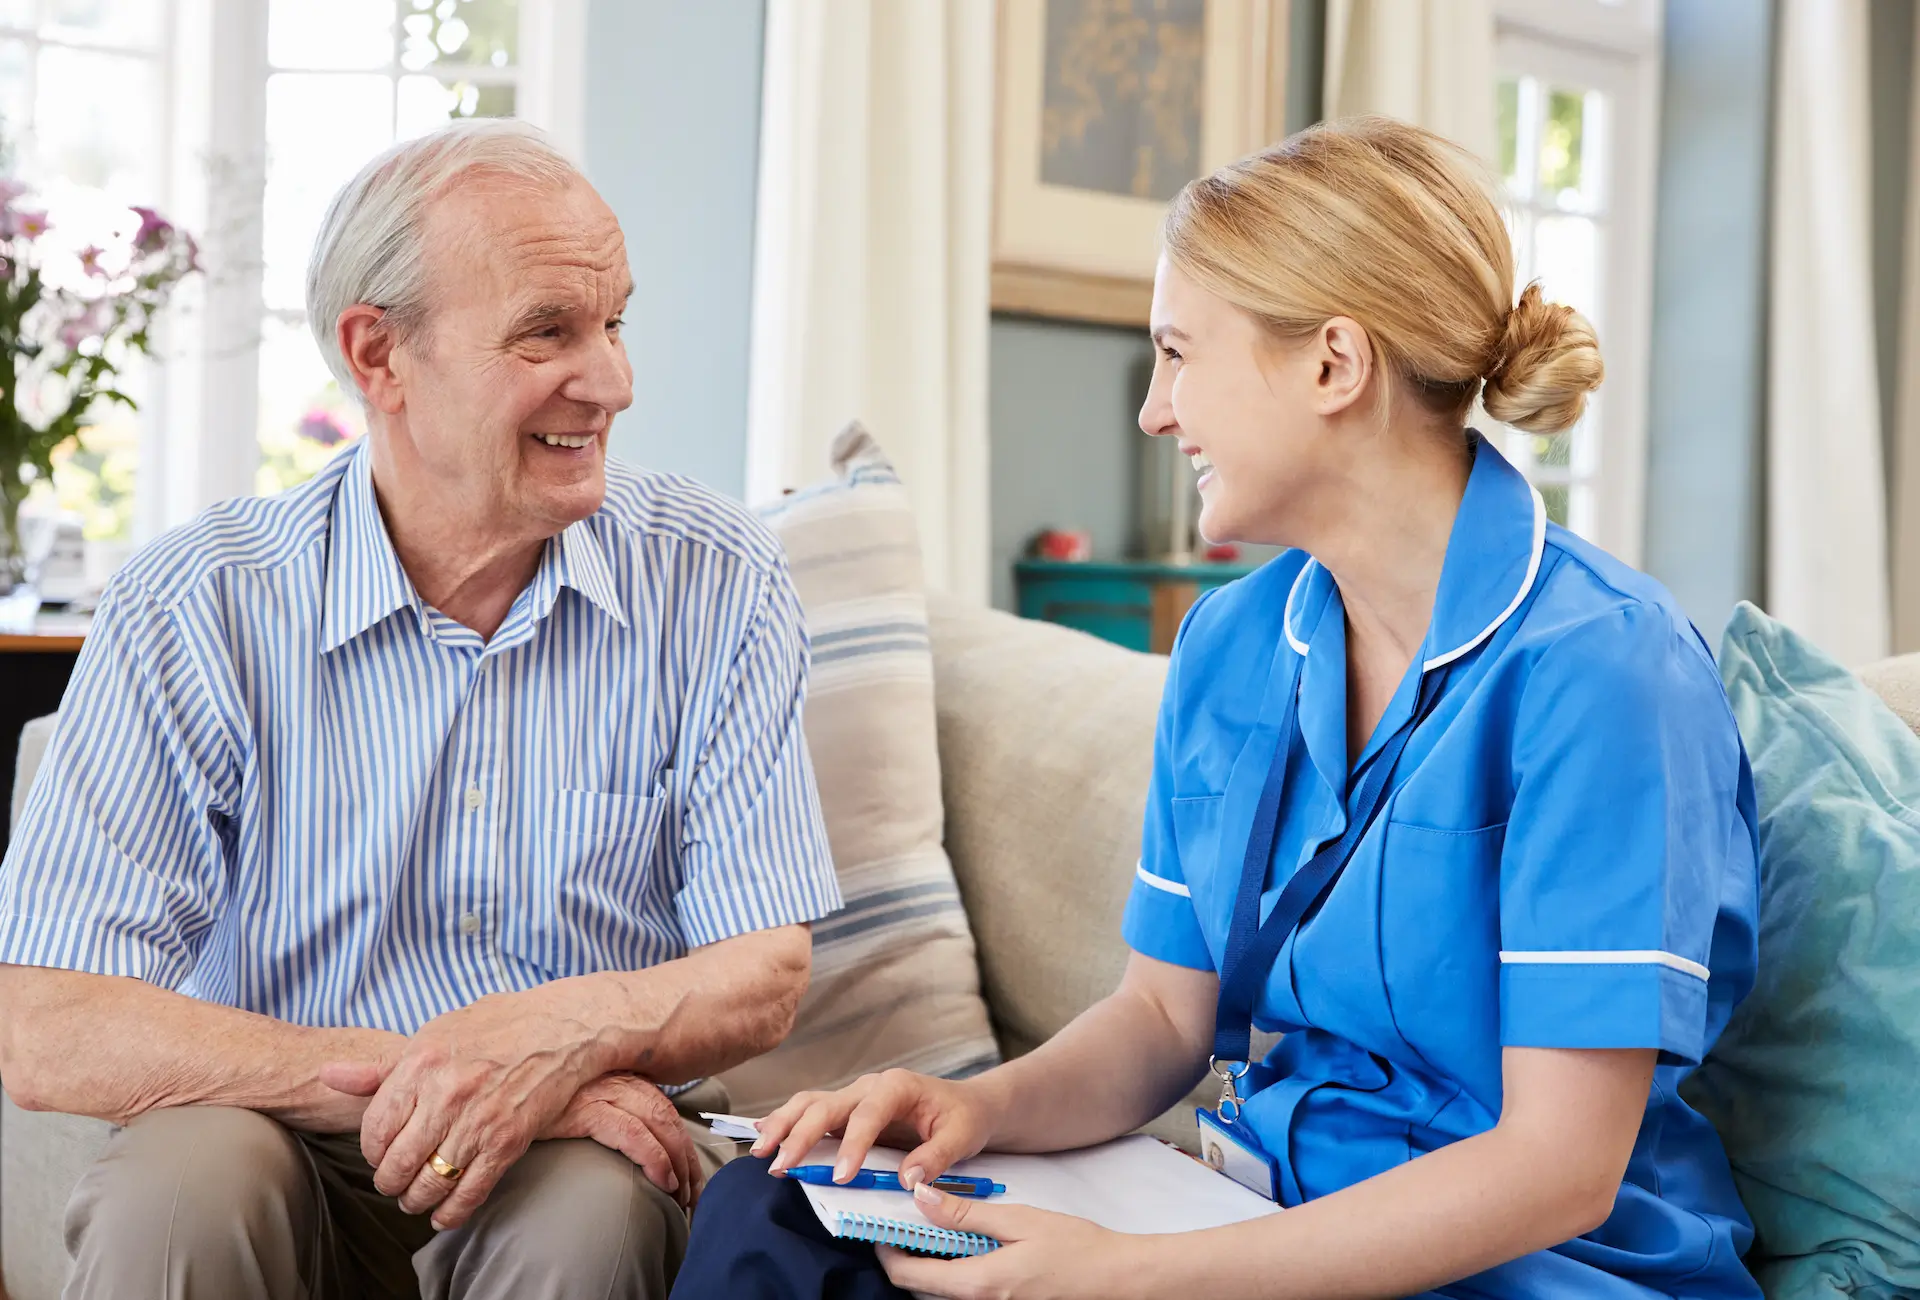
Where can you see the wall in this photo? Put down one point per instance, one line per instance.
(672, 142)
(1707, 386)
(1066, 451)
(1061, 408)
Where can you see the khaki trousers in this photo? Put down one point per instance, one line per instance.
(211, 1203)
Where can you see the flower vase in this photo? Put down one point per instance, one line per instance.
(19, 601)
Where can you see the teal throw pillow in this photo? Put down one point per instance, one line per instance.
(1815, 1086)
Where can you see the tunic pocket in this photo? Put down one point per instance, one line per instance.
(594, 890)
(1440, 946)
(1196, 835)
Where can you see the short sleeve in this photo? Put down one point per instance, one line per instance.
(1625, 827)
(1160, 921)
(754, 851)
(118, 865)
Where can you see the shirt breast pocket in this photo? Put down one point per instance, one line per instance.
(598, 896)
(1196, 834)
(1440, 939)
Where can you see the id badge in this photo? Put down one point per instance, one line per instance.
(1233, 1150)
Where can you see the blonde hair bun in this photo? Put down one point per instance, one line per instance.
(1399, 229)
(1547, 363)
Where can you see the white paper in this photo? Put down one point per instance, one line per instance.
(1135, 1184)
(737, 1127)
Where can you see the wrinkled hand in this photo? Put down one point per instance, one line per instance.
(943, 1120)
(478, 1085)
(631, 1116)
(1042, 1255)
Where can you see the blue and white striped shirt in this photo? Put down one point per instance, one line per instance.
(283, 782)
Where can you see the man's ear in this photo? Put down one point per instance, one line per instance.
(1346, 360)
(369, 347)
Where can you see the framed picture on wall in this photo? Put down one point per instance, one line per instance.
(1106, 108)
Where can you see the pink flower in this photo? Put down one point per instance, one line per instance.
(10, 189)
(91, 323)
(16, 224)
(153, 231)
(324, 427)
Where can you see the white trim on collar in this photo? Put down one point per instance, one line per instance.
(1286, 615)
(1526, 585)
(1441, 661)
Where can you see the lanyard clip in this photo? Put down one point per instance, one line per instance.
(1228, 1072)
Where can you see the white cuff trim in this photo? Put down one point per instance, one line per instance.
(1613, 957)
(1161, 882)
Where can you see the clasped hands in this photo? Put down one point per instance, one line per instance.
(481, 1084)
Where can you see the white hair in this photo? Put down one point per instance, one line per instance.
(369, 249)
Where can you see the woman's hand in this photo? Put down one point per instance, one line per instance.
(942, 1120)
(1042, 1256)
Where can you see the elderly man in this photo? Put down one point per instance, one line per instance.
(411, 838)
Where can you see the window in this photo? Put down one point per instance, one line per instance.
(83, 98)
(347, 78)
(239, 119)
(1577, 92)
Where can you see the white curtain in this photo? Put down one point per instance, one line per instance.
(1428, 62)
(1826, 504)
(872, 257)
(1904, 471)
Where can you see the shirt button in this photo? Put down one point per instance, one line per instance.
(474, 798)
(470, 924)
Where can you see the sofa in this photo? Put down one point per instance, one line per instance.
(1045, 739)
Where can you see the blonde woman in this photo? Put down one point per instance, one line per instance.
(1445, 794)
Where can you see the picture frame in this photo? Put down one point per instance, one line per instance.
(1104, 108)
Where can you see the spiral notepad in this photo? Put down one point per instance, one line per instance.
(1133, 1185)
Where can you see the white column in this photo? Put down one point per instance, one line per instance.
(203, 446)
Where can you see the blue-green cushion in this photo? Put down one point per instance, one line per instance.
(1815, 1086)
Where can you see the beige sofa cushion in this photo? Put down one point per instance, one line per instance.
(894, 979)
(1046, 739)
(1897, 681)
(1046, 742)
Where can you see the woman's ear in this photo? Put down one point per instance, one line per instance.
(369, 348)
(1346, 361)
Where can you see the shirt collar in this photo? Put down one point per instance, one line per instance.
(365, 582)
(1493, 557)
(1492, 560)
(574, 559)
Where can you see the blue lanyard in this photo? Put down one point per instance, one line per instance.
(1254, 945)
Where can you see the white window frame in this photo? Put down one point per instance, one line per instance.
(1614, 47)
(205, 446)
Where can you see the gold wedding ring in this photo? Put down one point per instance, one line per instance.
(438, 1163)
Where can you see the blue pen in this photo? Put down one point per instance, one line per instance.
(887, 1181)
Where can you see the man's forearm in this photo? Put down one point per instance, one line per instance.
(710, 1010)
(115, 1048)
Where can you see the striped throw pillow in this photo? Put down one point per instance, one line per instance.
(895, 982)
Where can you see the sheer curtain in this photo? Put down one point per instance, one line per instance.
(872, 255)
(1905, 467)
(1429, 62)
(1826, 504)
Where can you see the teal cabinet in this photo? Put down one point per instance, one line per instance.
(1138, 605)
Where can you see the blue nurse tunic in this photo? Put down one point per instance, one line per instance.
(1569, 861)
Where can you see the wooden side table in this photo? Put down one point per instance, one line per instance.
(34, 668)
(1134, 603)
